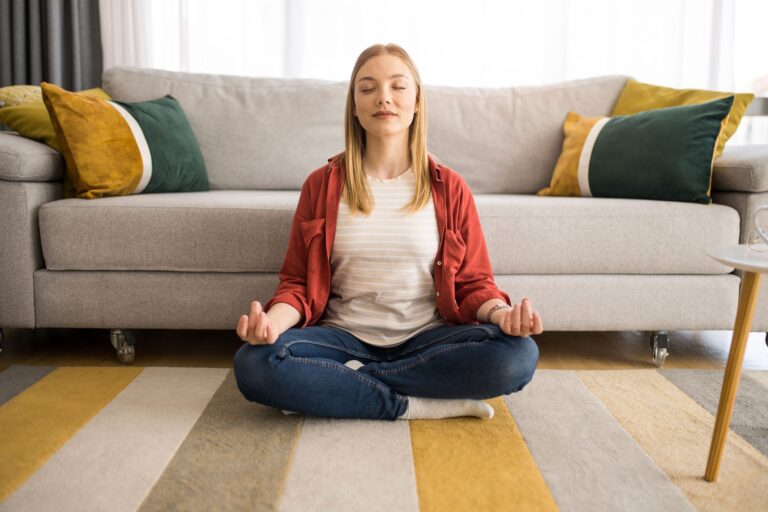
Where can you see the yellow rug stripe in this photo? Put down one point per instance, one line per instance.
(37, 422)
(675, 431)
(475, 464)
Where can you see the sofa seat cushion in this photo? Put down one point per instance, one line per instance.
(247, 231)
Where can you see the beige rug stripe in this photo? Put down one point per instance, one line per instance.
(760, 376)
(38, 421)
(589, 461)
(675, 432)
(236, 457)
(476, 464)
(352, 465)
(113, 461)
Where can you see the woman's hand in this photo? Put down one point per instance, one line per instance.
(520, 319)
(256, 329)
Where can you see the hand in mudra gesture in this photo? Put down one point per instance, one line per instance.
(520, 319)
(256, 328)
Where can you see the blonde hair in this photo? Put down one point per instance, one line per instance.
(357, 194)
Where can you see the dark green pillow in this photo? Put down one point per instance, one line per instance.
(664, 154)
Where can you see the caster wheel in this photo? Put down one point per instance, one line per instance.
(127, 354)
(659, 347)
(124, 342)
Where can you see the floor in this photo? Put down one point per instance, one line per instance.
(558, 350)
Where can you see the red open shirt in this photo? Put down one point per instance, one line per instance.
(462, 272)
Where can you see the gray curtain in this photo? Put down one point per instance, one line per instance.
(55, 41)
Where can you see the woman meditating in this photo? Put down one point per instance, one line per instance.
(387, 305)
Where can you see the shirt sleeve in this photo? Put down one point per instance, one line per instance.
(292, 289)
(474, 280)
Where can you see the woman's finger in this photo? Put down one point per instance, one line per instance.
(515, 320)
(253, 319)
(526, 320)
(242, 327)
(538, 328)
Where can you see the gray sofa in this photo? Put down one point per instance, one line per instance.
(196, 260)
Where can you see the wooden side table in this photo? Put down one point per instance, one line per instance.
(754, 264)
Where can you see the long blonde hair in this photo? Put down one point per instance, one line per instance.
(357, 194)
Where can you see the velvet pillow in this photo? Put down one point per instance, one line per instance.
(115, 148)
(639, 97)
(664, 154)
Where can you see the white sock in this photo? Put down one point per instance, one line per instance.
(437, 408)
(352, 363)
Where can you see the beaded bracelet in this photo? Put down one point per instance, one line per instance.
(495, 308)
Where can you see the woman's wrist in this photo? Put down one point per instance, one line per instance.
(493, 313)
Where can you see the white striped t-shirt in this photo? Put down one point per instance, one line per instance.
(382, 289)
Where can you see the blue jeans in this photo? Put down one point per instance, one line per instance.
(304, 369)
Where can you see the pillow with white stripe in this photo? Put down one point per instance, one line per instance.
(664, 154)
(114, 148)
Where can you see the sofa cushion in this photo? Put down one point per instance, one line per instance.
(22, 159)
(247, 231)
(503, 139)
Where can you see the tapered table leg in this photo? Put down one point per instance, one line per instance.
(750, 285)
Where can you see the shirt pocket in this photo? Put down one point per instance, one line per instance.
(454, 251)
(311, 229)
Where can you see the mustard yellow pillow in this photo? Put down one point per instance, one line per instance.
(13, 95)
(640, 97)
(115, 148)
(32, 121)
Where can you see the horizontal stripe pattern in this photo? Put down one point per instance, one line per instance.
(185, 439)
(382, 290)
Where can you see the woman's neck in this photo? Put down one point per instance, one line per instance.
(386, 158)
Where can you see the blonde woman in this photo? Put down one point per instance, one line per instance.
(387, 306)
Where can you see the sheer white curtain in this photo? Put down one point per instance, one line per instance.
(713, 44)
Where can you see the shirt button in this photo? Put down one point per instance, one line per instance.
(439, 262)
(437, 294)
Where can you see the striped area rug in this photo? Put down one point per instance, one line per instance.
(130, 438)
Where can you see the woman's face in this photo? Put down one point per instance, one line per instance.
(385, 84)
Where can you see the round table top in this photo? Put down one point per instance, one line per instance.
(753, 258)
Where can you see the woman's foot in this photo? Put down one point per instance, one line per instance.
(438, 408)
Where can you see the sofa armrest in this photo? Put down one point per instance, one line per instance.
(23, 159)
(742, 169)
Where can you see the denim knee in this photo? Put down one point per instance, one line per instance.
(250, 369)
(522, 362)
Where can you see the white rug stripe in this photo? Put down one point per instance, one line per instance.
(588, 460)
(352, 465)
(113, 462)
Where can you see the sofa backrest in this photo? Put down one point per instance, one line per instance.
(270, 133)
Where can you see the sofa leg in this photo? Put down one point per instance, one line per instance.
(659, 347)
(125, 344)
